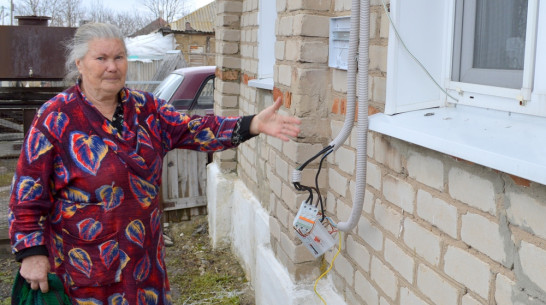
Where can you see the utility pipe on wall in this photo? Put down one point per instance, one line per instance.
(351, 78)
(358, 38)
(361, 8)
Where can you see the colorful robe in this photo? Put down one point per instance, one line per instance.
(89, 193)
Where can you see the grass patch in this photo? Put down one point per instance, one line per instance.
(8, 269)
(200, 275)
(5, 179)
(6, 276)
(207, 289)
(7, 169)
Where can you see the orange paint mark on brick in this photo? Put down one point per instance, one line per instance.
(287, 99)
(247, 78)
(335, 106)
(520, 181)
(227, 74)
(372, 110)
(277, 93)
(343, 106)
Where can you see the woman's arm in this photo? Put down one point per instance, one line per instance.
(214, 133)
(30, 203)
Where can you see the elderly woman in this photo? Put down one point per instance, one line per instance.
(84, 203)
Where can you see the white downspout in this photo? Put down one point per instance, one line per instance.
(362, 126)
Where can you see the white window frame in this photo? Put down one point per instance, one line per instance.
(505, 99)
(267, 15)
(434, 48)
(500, 128)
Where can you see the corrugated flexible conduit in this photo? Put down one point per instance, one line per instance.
(358, 38)
(362, 125)
(351, 78)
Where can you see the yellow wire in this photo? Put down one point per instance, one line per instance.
(329, 268)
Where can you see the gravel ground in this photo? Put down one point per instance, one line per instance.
(198, 274)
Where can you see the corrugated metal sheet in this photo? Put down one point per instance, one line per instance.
(139, 71)
(31, 52)
(202, 20)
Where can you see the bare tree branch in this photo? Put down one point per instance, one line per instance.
(127, 22)
(169, 10)
(70, 13)
(62, 12)
(130, 22)
(35, 7)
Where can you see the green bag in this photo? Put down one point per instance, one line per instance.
(21, 294)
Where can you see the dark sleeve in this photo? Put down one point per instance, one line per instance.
(36, 250)
(241, 132)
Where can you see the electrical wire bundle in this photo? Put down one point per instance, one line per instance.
(330, 224)
(298, 186)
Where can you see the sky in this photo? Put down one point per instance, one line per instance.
(124, 5)
(116, 5)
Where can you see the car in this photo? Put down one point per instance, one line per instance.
(189, 90)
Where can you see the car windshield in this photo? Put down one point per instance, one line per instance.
(168, 86)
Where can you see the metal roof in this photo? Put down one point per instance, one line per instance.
(150, 28)
(201, 20)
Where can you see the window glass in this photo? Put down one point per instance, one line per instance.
(181, 104)
(499, 40)
(206, 97)
(168, 86)
(489, 46)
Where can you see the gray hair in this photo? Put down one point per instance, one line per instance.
(78, 46)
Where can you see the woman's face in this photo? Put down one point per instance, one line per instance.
(104, 67)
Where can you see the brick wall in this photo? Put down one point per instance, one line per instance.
(205, 41)
(438, 230)
(434, 229)
(228, 70)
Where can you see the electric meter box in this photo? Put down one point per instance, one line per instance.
(340, 28)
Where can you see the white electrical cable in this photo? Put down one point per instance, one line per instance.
(411, 54)
(351, 78)
(362, 126)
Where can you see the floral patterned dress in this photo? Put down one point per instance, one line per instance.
(88, 193)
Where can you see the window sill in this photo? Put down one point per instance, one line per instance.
(263, 83)
(511, 143)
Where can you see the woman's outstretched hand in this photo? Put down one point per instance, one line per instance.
(270, 122)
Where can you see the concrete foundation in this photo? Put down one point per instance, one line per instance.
(236, 218)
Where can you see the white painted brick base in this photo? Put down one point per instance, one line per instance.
(246, 226)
